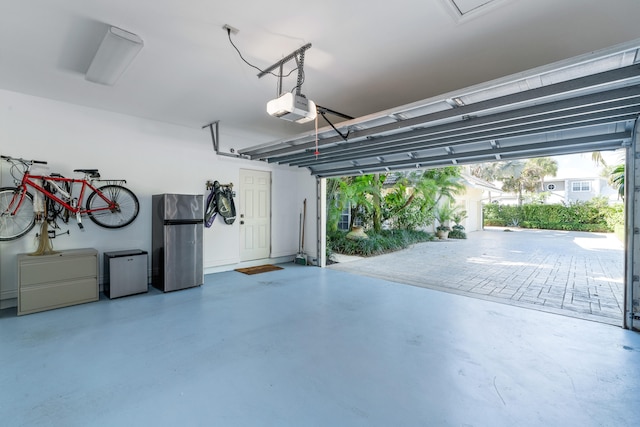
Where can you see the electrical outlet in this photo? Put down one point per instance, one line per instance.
(228, 28)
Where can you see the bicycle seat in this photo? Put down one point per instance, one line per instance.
(93, 173)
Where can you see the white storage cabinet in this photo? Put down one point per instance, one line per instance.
(66, 278)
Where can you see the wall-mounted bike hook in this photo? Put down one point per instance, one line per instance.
(210, 184)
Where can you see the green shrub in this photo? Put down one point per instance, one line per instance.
(614, 215)
(457, 233)
(413, 217)
(566, 226)
(377, 243)
(619, 231)
(503, 215)
(495, 223)
(491, 212)
(595, 215)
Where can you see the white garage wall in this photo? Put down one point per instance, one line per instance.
(154, 158)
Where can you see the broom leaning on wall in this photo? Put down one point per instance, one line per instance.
(301, 258)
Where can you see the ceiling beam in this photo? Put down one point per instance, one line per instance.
(563, 146)
(607, 80)
(519, 129)
(584, 105)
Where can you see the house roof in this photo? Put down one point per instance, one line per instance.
(476, 182)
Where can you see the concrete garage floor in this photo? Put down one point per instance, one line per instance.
(571, 273)
(305, 346)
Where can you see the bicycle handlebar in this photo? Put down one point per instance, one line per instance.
(9, 158)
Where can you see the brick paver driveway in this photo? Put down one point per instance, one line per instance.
(571, 273)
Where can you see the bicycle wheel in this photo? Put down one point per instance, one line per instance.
(123, 214)
(15, 226)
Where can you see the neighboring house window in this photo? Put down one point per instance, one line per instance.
(580, 186)
(345, 219)
(551, 187)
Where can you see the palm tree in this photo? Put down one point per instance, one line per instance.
(376, 194)
(353, 192)
(485, 171)
(617, 179)
(597, 158)
(517, 176)
(444, 213)
(540, 167)
(419, 192)
(360, 193)
(510, 173)
(335, 203)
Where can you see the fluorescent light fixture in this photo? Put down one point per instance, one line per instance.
(117, 50)
(295, 108)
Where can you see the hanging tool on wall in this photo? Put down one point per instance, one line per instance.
(301, 258)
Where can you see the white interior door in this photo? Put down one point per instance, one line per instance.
(255, 214)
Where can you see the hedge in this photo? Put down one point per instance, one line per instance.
(595, 216)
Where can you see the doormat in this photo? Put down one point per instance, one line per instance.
(259, 269)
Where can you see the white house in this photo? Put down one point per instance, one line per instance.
(580, 189)
(478, 192)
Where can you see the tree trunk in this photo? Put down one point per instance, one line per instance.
(408, 202)
(354, 212)
(377, 208)
(520, 196)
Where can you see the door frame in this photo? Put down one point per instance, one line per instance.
(631, 316)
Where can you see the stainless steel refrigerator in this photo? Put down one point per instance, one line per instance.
(177, 241)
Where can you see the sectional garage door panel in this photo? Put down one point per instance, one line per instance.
(582, 104)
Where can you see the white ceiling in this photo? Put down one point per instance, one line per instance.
(365, 57)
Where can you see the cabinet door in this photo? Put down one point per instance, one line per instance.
(182, 256)
(127, 275)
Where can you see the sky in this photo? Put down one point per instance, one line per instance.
(581, 165)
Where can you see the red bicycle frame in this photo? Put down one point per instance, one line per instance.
(28, 180)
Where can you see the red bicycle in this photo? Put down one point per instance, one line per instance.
(110, 206)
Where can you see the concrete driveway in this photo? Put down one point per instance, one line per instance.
(575, 274)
